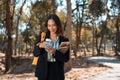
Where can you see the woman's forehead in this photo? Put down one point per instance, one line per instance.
(51, 21)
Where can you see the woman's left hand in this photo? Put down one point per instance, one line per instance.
(50, 49)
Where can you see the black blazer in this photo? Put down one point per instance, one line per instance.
(41, 67)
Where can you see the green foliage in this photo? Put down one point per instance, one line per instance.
(104, 30)
(96, 8)
(62, 17)
(28, 36)
(2, 36)
(82, 13)
(39, 12)
(2, 10)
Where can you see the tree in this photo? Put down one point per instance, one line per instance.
(96, 8)
(115, 6)
(69, 20)
(39, 12)
(68, 65)
(100, 36)
(54, 5)
(19, 15)
(8, 21)
(80, 14)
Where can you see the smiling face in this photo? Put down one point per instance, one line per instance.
(52, 27)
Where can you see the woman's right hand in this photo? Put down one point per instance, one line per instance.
(41, 45)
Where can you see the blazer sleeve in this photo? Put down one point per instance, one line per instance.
(63, 57)
(37, 51)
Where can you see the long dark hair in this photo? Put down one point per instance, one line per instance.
(57, 22)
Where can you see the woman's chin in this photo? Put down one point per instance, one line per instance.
(53, 32)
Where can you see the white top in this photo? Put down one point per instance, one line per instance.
(55, 45)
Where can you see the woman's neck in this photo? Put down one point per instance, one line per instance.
(53, 36)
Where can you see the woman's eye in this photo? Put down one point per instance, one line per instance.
(54, 25)
(51, 25)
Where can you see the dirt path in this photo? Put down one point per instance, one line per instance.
(81, 70)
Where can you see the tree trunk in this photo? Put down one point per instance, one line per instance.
(68, 65)
(69, 20)
(78, 34)
(99, 47)
(117, 47)
(93, 35)
(20, 13)
(77, 40)
(8, 56)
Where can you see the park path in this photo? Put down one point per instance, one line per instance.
(111, 74)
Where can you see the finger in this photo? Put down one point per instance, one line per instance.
(49, 47)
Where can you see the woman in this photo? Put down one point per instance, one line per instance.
(50, 65)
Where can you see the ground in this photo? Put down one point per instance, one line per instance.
(81, 69)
